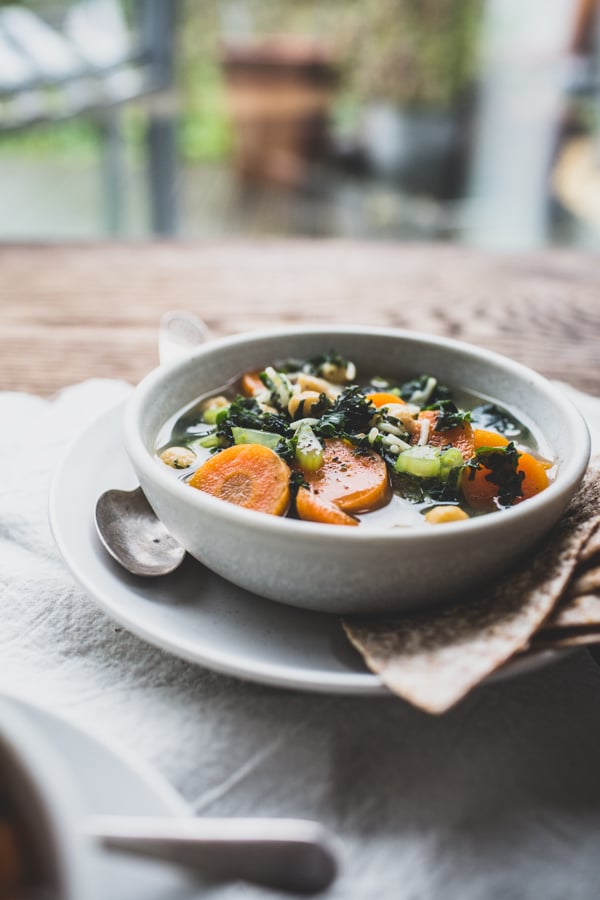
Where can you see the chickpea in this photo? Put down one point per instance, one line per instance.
(338, 374)
(303, 403)
(178, 457)
(312, 383)
(439, 515)
(268, 409)
(212, 406)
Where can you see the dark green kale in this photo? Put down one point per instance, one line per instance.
(420, 490)
(244, 412)
(316, 409)
(314, 365)
(489, 415)
(291, 364)
(350, 414)
(296, 482)
(449, 415)
(416, 386)
(503, 464)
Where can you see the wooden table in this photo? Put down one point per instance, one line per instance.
(71, 312)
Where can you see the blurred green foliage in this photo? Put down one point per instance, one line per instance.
(411, 52)
(204, 133)
(414, 53)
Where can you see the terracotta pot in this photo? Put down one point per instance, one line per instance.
(279, 93)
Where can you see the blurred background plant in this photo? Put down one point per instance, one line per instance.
(396, 91)
(414, 53)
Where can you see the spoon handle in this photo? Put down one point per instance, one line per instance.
(284, 854)
(180, 333)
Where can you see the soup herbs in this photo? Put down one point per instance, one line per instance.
(320, 444)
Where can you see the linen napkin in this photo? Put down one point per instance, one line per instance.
(484, 803)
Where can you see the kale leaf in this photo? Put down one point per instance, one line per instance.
(314, 365)
(244, 412)
(449, 415)
(502, 463)
(297, 481)
(350, 414)
(420, 490)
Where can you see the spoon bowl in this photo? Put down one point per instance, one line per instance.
(134, 536)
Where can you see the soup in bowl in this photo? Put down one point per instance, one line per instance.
(354, 470)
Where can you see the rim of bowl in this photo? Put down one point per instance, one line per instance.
(567, 479)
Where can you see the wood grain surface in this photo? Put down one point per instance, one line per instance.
(72, 312)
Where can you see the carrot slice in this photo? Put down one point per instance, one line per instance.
(481, 493)
(312, 508)
(461, 436)
(484, 438)
(249, 475)
(536, 478)
(383, 398)
(251, 384)
(478, 492)
(353, 482)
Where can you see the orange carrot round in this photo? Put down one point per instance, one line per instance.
(249, 475)
(383, 398)
(313, 508)
(484, 438)
(251, 384)
(536, 477)
(351, 482)
(480, 493)
(460, 436)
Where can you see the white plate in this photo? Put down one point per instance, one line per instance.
(109, 781)
(194, 613)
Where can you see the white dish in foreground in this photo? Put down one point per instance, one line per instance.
(194, 613)
(111, 781)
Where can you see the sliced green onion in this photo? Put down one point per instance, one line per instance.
(309, 452)
(209, 441)
(279, 385)
(211, 412)
(422, 462)
(451, 458)
(254, 436)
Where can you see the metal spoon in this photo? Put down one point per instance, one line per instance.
(283, 854)
(126, 523)
(133, 534)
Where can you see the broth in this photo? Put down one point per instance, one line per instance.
(443, 448)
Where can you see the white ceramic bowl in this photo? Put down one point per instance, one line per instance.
(354, 570)
(45, 809)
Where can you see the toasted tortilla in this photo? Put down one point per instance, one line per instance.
(592, 548)
(434, 657)
(576, 612)
(580, 604)
(565, 637)
(585, 581)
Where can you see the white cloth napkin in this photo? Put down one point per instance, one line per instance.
(500, 798)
